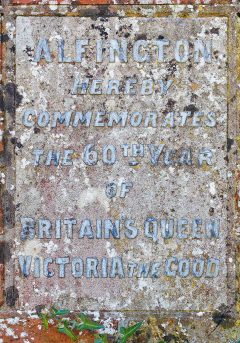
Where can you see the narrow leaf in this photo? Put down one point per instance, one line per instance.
(122, 340)
(44, 319)
(59, 312)
(62, 312)
(83, 317)
(122, 330)
(67, 331)
(53, 309)
(130, 331)
(88, 324)
(78, 326)
(74, 324)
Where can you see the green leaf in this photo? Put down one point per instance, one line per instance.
(100, 339)
(122, 340)
(64, 328)
(60, 312)
(122, 330)
(129, 331)
(88, 324)
(44, 319)
(78, 326)
(90, 327)
(74, 324)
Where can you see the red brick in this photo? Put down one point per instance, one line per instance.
(31, 328)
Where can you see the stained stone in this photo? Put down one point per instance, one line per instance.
(122, 176)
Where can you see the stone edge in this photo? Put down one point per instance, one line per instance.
(50, 3)
(122, 2)
(2, 267)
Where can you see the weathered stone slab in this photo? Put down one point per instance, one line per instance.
(137, 206)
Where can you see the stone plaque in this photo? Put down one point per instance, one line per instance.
(121, 163)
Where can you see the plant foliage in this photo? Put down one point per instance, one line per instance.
(81, 322)
(129, 332)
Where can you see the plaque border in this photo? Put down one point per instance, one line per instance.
(7, 158)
